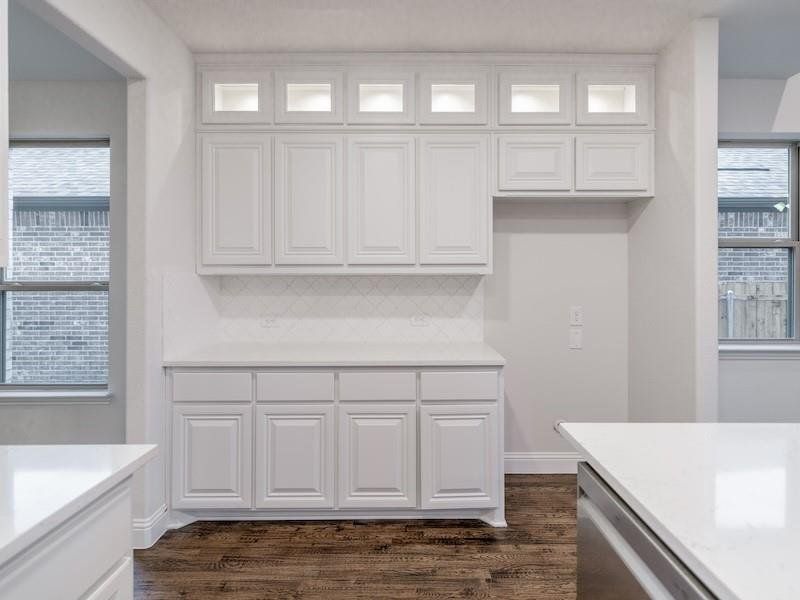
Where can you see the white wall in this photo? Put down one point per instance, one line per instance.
(759, 385)
(78, 109)
(160, 190)
(548, 257)
(672, 242)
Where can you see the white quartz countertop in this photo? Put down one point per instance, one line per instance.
(724, 497)
(43, 486)
(338, 355)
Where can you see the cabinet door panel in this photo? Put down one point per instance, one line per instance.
(236, 194)
(211, 464)
(615, 96)
(381, 200)
(377, 456)
(308, 203)
(294, 456)
(608, 162)
(534, 162)
(458, 446)
(455, 207)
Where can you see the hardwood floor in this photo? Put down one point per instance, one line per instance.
(533, 558)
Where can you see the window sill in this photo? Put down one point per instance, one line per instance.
(55, 396)
(762, 351)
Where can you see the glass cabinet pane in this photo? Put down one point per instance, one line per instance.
(526, 98)
(236, 97)
(452, 97)
(611, 98)
(308, 97)
(380, 97)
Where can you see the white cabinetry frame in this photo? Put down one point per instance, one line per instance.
(381, 163)
(308, 200)
(347, 442)
(454, 199)
(236, 192)
(381, 194)
(294, 456)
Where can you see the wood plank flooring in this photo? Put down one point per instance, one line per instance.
(354, 560)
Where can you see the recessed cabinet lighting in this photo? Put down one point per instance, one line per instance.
(236, 97)
(452, 97)
(527, 98)
(611, 98)
(308, 97)
(380, 97)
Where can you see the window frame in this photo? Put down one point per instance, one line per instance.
(792, 242)
(64, 391)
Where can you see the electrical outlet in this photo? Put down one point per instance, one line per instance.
(420, 321)
(269, 322)
(576, 316)
(575, 338)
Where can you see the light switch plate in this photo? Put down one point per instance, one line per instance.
(575, 338)
(576, 316)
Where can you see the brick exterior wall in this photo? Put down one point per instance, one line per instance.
(58, 337)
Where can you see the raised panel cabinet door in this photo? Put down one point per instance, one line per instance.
(377, 455)
(614, 162)
(294, 456)
(380, 199)
(534, 163)
(211, 456)
(308, 200)
(455, 206)
(236, 195)
(458, 456)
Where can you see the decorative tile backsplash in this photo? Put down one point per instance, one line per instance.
(199, 311)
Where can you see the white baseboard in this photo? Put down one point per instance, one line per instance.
(147, 531)
(541, 462)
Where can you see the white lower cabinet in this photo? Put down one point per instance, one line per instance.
(378, 455)
(294, 456)
(459, 466)
(211, 456)
(353, 442)
(117, 586)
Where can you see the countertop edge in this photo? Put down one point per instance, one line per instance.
(709, 579)
(333, 364)
(28, 538)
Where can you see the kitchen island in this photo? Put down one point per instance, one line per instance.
(693, 510)
(65, 521)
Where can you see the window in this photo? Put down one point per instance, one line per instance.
(758, 241)
(54, 293)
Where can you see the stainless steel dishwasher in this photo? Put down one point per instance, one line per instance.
(619, 557)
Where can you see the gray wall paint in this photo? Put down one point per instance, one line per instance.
(548, 257)
(78, 109)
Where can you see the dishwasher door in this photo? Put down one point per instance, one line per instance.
(619, 557)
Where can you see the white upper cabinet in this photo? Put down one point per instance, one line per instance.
(381, 200)
(309, 96)
(534, 162)
(455, 216)
(236, 96)
(236, 189)
(535, 96)
(615, 96)
(614, 162)
(379, 96)
(454, 97)
(308, 200)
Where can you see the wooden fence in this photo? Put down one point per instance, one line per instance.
(757, 310)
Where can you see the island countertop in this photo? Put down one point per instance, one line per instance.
(329, 354)
(43, 486)
(724, 497)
